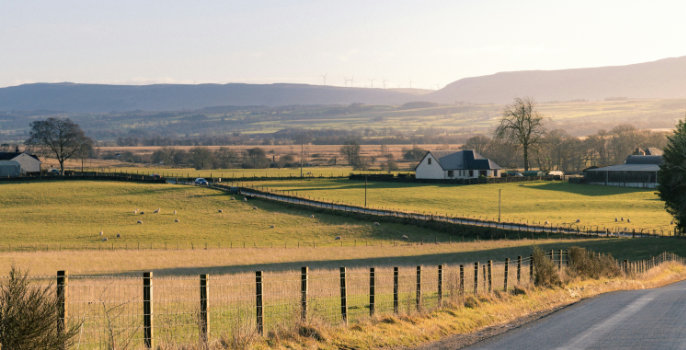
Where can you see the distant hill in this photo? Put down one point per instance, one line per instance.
(88, 98)
(665, 78)
(659, 79)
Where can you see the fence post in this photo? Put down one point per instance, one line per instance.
(344, 297)
(395, 289)
(258, 303)
(204, 309)
(531, 268)
(490, 284)
(147, 310)
(440, 284)
(303, 292)
(461, 279)
(61, 289)
(507, 266)
(419, 288)
(372, 282)
(476, 277)
(559, 262)
(519, 269)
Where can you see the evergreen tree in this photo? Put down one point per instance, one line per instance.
(672, 176)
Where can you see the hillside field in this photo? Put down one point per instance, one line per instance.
(558, 203)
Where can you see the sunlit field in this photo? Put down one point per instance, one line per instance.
(557, 203)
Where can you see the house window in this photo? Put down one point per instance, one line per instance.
(429, 161)
(471, 173)
(450, 173)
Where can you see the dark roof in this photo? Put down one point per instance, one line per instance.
(12, 155)
(463, 160)
(633, 159)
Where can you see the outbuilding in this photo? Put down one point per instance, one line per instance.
(637, 171)
(28, 163)
(446, 165)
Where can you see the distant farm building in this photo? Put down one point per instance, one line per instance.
(28, 164)
(446, 165)
(639, 170)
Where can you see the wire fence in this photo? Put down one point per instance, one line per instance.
(147, 311)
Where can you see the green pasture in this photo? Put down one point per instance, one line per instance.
(557, 203)
(73, 213)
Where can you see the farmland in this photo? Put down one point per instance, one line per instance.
(530, 202)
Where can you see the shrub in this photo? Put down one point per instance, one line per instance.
(28, 317)
(584, 263)
(545, 272)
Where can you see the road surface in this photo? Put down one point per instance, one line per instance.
(639, 319)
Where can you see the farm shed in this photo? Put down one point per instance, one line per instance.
(465, 164)
(9, 168)
(637, 171)
(29, 163)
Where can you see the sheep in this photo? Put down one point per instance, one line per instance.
(139, 222)
(142, 212)
(176, 220)
(338, 238)
(405, 237)
(245, 199)
(254, 208)
(104, 239)
(547, 223)
(628, 220)
(174, 212)
(622, 218)
(578, 221)
(156, 211)
(118, 235)
(221, 211)
(135, 211)
(271, 226)
(101, 233)
(376, 223)
(616, 219)
(312, 216)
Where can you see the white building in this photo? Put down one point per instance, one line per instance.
(446, 165)
(29, 164)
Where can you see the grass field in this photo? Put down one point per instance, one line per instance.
(307, 172)
(73, 213)
(556, 202)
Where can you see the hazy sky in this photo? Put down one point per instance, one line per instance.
(426, 43)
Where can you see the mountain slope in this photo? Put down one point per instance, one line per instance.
(83, 98)
(665, 78)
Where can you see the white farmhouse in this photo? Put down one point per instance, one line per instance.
(446, 165)
(29, 163)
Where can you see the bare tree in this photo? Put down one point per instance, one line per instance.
(521, 124)
(59, 137)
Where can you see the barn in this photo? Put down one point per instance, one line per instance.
(446, 165)
(638, 170)
(28, 163)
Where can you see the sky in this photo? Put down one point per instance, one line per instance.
(379, 43)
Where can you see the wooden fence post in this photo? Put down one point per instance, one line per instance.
(204, 309)
(395, 289)
(344, 297)
(147, 310)
(372, 282)
(519, 269)
(559, 262)
(303, 293)
(259, 307)
(507, 266)
(490, 281)
(440, 284)
(531, 268)
(476, 277)
(61, 289)
(419, 288)
(461, 279)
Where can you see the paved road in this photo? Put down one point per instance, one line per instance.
(641, 319)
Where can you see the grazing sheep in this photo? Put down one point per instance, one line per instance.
(254, 208)
(174, 212)
(104, 239)
(338, 238)
(156, 211)
(221, 211)
(139, 222)
(312, 216)
(101, 233)
(118, 235)
(176, 220)
(547, 223)
(376, 223)
(616, 219)
(142, 212)
(135, 211)
(245, 199)
(271, 226)
(578, 221)
(405, 237)
(628, 220)
(622, 218)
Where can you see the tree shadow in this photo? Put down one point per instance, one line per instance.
(586, 190)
